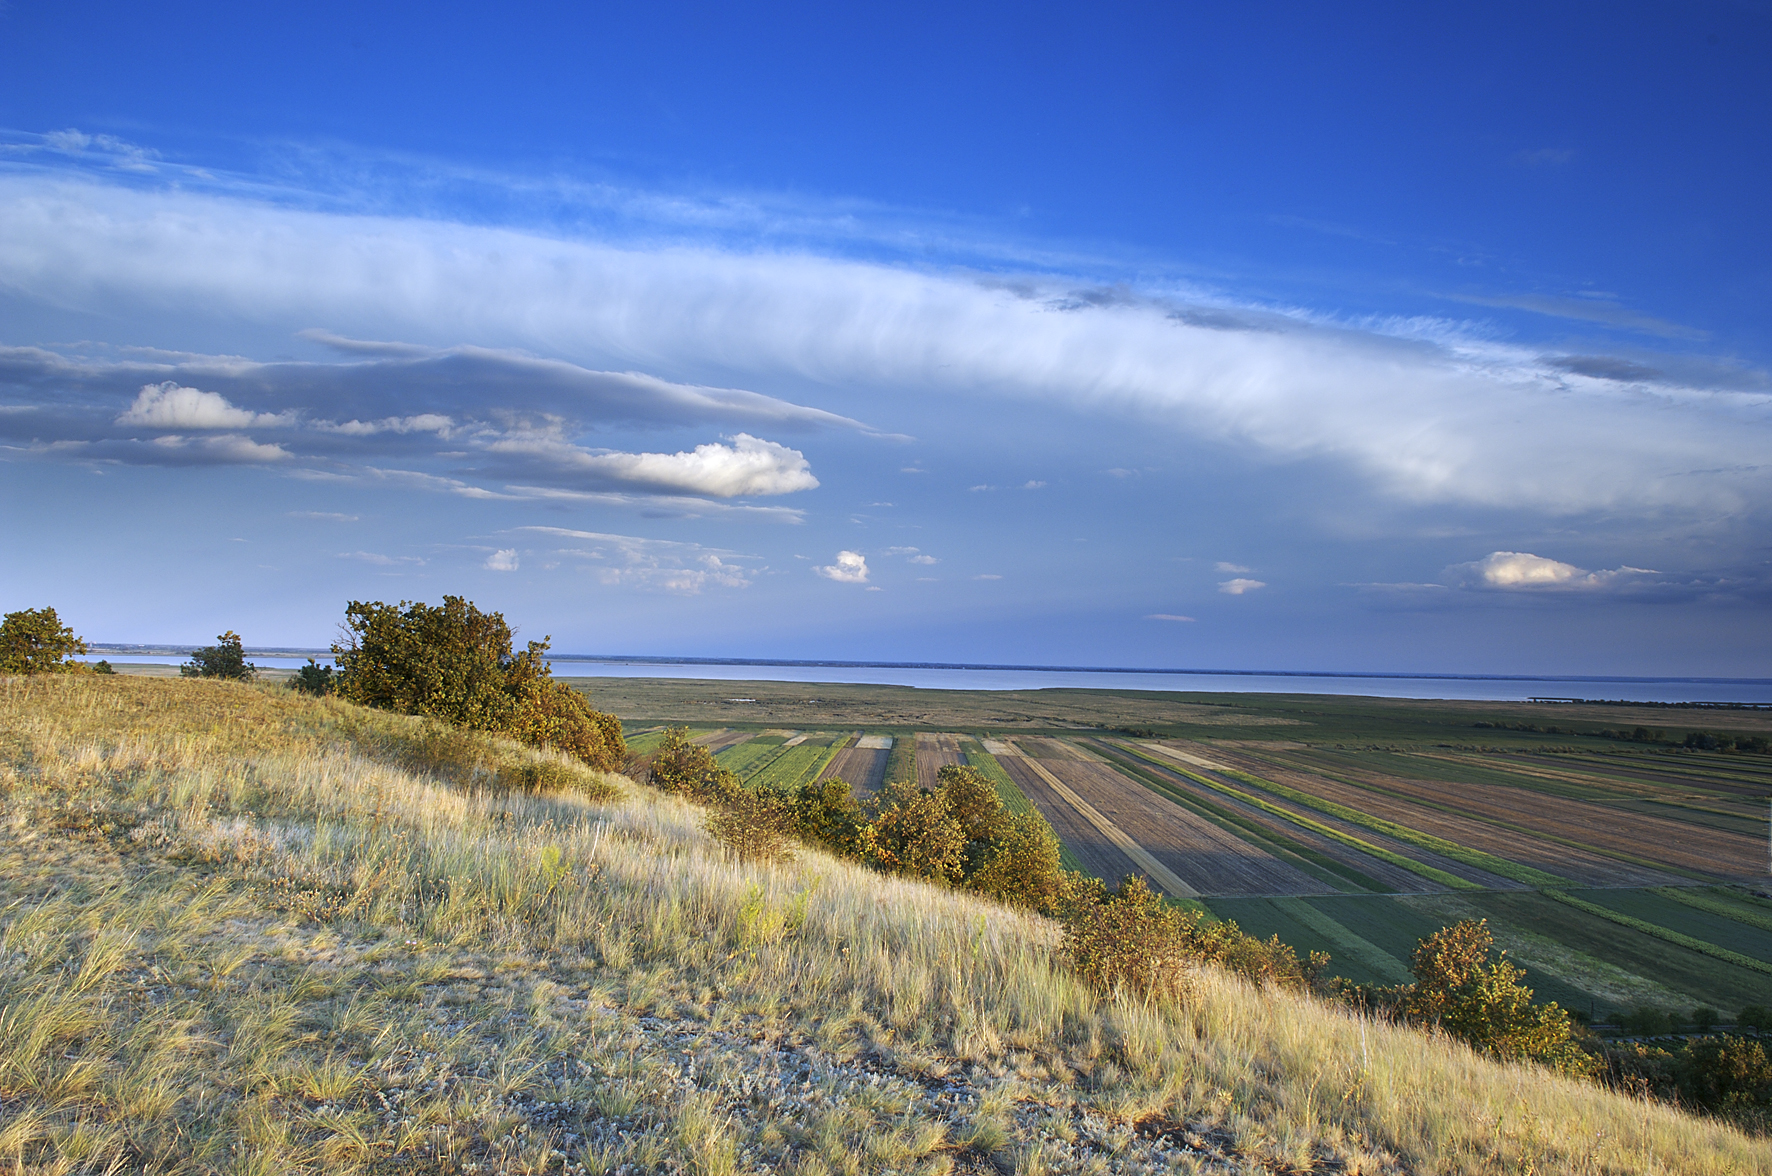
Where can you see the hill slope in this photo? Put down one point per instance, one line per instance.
(245, 931)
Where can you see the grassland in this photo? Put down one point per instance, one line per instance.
(249, 932)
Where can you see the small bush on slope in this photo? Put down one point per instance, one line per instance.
(224, 659)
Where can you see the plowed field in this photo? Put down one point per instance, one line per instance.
(935, 752)
(863, 767)
(1202, 855)
(1528, 812)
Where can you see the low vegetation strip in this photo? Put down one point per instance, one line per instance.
(1704, 901)
(1702, 946)
(1013, 798)
(1159, 873)
(1421, 869)
(1346, 942)
(1450, 849)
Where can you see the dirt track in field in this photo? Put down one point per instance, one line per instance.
(1516, 805)
(1203, 856)
(935, 752)
(863, 768)
(1376, 869)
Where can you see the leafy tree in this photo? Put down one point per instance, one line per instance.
(1461, 990)
(455, 663)
(224, 659)
(972, 800)
(689, 769)
(1755, 1017)
(34, 641)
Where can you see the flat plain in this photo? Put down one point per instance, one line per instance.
(1624, 871)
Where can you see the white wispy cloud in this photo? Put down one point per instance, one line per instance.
(1167, 617)
(1222, 566)
(658, 565)
(1240, 586)
(850, 567)
(1423, 412)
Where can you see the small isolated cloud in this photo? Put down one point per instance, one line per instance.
(912, 470)
(979, 488)
(1520, 571)
(747, 466)
(1117, 472)
(1167, 617)
(657, 565)
(924, 559)
(850, 567)
(1227, 568)
(913, 555)
(1033, 485)
(331, 516)
(1240, 586)
(502, 560)
(228, 449)
(987, 576)
(167, 405)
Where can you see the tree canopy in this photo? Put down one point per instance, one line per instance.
(34, 641)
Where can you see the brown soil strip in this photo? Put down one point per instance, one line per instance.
(935, 752)
(1154, 869)
(1518, 806)
(718, 741)
(1094, 851)
(863, 768)
(1203, 856)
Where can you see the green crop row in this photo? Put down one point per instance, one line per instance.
(901, 761)
(1384, 855)
(1403, 833)
(1013, 798)
(1702, 946)
(1699, 900)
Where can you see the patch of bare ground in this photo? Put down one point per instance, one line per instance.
(935, 752)
(1521, 808)
(862, 767)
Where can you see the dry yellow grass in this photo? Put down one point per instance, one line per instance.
(245, 931)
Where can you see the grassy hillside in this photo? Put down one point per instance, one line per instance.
(244, 931)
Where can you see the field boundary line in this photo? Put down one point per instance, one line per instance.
(1360, 949)
(1140, 856)
(1703, 902)
(1458, 853)
(1422, 869)
(1701, 946)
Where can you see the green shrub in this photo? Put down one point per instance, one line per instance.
(689, 769)
(1643, 1021)
(455, 663)
(101, 666)
(224, 659)
(1020, 865)
(313, 678)
(753, 825)
(1128, 941)
(553, 776)
(972, 801)
(1755, 1017)
(1724, 1073)
(34, 641)
(1460, 989)
(911, 831)
(825, 813)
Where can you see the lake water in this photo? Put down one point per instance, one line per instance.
(946, 677)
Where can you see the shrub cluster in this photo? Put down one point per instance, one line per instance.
(224, 659)
(34, 641)
(1718, 741)
(455, 663)
(1724, 1074)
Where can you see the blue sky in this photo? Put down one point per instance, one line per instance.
(1283, 337)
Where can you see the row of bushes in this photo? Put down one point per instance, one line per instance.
(1696, 740)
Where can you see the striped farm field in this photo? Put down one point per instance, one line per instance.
(746, 757)
(798, 764)
(862, 767)
(935, 752)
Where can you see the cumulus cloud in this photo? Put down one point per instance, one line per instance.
(656, 565)
(748, 466)
(1421, 410)
(1520, 571)
(502, 560)
(167, 405)
(850, 567)
(424, 422)
(1240, 586)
